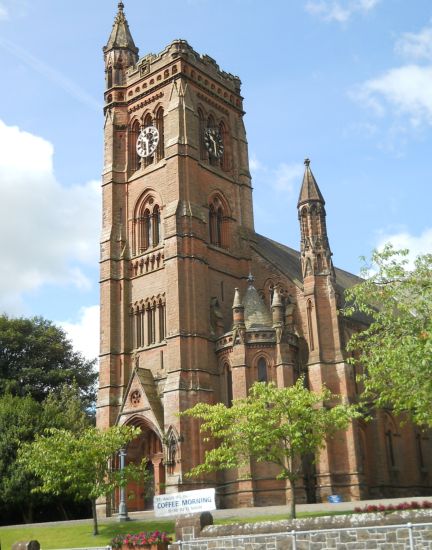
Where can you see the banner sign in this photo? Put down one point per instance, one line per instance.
(189, 502)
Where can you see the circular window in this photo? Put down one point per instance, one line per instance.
(135, 397)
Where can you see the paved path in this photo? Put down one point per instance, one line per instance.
(250, 512)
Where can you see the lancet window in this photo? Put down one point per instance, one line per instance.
(201, 123)
(228, 385)
(147, 226)
(160, 150)
(262, 370)
(133, 158)
(149, 323)
(218, 223)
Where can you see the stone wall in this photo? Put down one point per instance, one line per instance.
(397, 531)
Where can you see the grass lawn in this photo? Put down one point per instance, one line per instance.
(78, 535)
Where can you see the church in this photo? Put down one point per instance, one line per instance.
(196, 306)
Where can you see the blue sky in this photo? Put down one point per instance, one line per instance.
(347, 83)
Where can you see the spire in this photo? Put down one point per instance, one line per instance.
(121, 38)
(256, 314)
(309, 189)
(315, 248)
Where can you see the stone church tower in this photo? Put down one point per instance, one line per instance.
(196, 306)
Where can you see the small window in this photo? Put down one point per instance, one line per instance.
(229, 385)
(262, 370)
(218, 224)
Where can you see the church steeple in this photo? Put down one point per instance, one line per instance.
(315, 248)
(120, 51)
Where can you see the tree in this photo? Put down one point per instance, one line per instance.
(36, 357)
(78, 464)
(395, 350)
(21, 418)
(278, 425)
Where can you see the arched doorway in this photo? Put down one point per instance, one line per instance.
(139, 496)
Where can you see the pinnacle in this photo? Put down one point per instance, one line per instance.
(121, 37)
(309, 189)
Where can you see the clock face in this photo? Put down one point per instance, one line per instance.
(213, 142)
(147, 141)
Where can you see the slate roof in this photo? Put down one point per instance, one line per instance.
(287, 260)
(256, 314)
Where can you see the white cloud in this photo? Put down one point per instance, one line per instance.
(288, 177)
(339, 10)
(254, 164)
(85, 333)
(405, 90)
(285, 177)
(416, 46)
(49, 231)
(10, 9)
(416, 244)
(4, 13)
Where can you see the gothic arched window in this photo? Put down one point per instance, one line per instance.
(201, 129)
(228, 385)
(225, 158)
(262, 370)
(147, 226)
(133, 158)
(162, 318)
(160, 151)
(389, 433)
(310, 325)
(109, 77)
(304, 222)
(155, 223)
(218, 224)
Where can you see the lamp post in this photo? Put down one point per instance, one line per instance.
(123, 513)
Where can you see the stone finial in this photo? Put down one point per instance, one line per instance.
(277, 301)
(120, 6)
(237, 300)
(306, 162)
(277, 309)
(251, 279)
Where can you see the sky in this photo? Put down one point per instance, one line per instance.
(347, 83)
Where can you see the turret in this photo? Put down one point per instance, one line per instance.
(238, 310)
(120, 53)
(277, 309)
(315, 248)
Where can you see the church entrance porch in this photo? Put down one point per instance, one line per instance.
(148, 446)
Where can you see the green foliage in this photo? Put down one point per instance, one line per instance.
(21, 418)
(395, 351)
(77, 535)
(79, 464)
(278, 425)
(36, 358)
